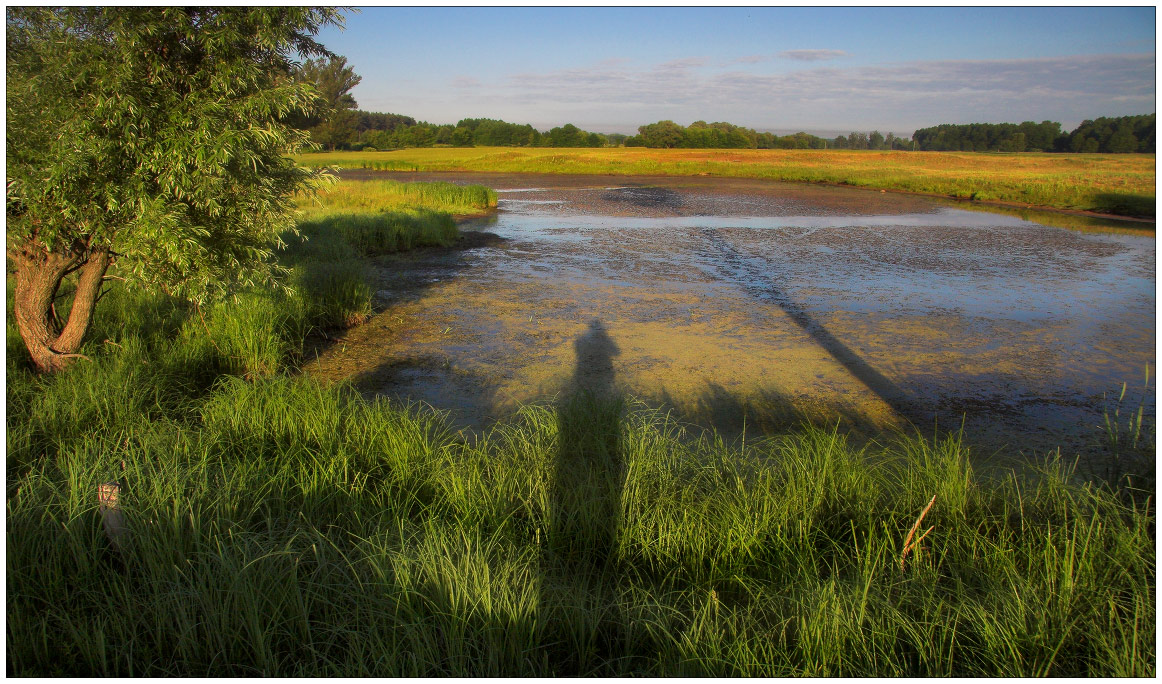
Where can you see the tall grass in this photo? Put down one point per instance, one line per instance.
(373, 197)
(283, 527)
(353, 220)
(1130, 435)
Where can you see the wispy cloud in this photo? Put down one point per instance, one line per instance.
(682, 64)
(924, 93)
(465, 82)
(750, 59)
(812, 55)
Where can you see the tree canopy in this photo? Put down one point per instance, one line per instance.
(1105, 134)
(334, 121)
(158, 138)
(718, 135)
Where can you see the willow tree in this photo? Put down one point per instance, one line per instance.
(154, 140)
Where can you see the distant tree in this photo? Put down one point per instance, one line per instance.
(378, 121)
(154, 138)
(661, 134)
(875, 141)
(1040, 137)
(1123, 139)
(1144, 132)
(334, 121)
(461, 137)
(1013, 143)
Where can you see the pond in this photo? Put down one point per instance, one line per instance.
(751, 305)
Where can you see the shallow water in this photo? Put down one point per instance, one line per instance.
(738, 302)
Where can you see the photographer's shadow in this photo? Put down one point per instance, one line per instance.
(589, 472)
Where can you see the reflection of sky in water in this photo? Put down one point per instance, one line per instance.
(1086, 299)
(515, 223)
(995, 265)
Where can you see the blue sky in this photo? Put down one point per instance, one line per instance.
(815, 69)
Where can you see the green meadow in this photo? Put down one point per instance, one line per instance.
(280, 526)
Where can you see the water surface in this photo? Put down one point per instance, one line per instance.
(748, 303)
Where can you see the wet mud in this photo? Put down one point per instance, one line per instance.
(749, 304)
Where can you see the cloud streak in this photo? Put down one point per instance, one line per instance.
(812, 55)
(913, 93)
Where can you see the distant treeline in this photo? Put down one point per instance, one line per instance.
(392, 131)
(1118, 134)
(722, 135)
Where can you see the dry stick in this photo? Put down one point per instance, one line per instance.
(112, 517)
(908, 543)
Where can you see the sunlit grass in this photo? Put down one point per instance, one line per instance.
(375, 197)
(1114, 183)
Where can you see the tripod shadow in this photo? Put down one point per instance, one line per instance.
(585, 496)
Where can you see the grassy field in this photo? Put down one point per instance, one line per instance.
(280, 526)
(1121, 184)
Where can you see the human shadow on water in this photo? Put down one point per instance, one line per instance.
(588, 473)
(579, 560)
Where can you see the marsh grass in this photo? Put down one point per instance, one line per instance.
(281, 526)
(378, 196)
(384, 233)
(351, 221)
(1121, 184)
(1129, 435)
(285, 527)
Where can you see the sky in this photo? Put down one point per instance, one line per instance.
(825, 70)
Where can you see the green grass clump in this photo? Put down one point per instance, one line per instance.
(379, 196)
(355, 220)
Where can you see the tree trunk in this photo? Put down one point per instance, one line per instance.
(39, 274)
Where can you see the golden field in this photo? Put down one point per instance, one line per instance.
(1122, 184)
